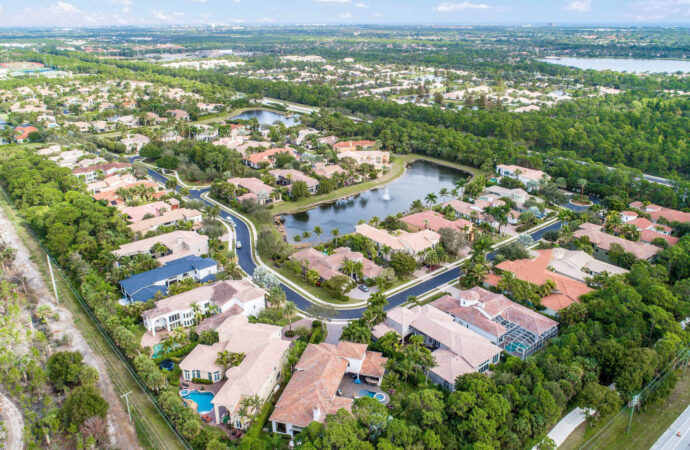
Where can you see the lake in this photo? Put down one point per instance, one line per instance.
(421, 178)
(267, 117)
(624, 64)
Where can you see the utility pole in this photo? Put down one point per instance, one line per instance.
(52, 279)
(129, 413)
(633, 404)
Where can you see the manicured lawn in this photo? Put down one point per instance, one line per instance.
(318, 292)
(647, 425)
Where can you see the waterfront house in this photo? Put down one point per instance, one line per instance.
(531, 178)
(414, 244)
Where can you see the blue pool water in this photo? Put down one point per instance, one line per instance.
(202, 399)
(375, 395)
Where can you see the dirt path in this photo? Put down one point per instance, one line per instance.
(122, 433)
(13, 423)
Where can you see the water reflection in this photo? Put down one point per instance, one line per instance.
(420, 179)
(267, 117)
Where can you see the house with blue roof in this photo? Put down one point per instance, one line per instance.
(142, 287)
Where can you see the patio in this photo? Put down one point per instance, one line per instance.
(349, 389)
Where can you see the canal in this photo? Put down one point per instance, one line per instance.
(420, 178)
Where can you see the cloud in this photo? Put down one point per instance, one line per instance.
(361, 5)
(332, 1)
(160, 15)
(268, 19)
(64, 7)
(347, 15)
(178, 14)
(459, 6)
(661, 9)
(580, 6)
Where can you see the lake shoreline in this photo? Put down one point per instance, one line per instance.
(380, 182)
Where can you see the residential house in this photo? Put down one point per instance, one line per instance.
(155, 209)
(580, 265)
(376, 158)
(257, 160)
(265, 354)
(649, 230)
(536, 271)
(329, 266)
(656, 212)
(312, 392)
(517, 329)
(112, 196)
(352, 146)
(602, 243)
(457, 350)
(327, 171)
(111, 183)
(414, 244)
(178, 114)
(143, 286)
(210, 107)
(237, 297)
(531, 178)
(82, 126)
(22, 133)
(128, 121)
(134, 143)
(205, 133)
(90, 173)
(285, 177)
(259, 191)
(519, 196)
(432, 220)
(153, 118)
(179, 243)
(328, 140)
(166, 219)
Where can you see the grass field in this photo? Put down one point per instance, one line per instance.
(647, 425)
(151, 428)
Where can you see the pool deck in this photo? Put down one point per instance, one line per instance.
(351, 390)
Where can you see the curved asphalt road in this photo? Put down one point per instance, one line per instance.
(248, 265)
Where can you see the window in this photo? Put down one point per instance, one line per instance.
(216, 375)
(186, 375)
(496, 358)
(446, 385)
(197, 373)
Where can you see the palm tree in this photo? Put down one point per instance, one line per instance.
(224, 359)
(443, 193)
(289, 311)
(318, 232)
(582, 182)
(430, 198)
(416, 206)
(460, 185)
(335, 233)
(306, 234)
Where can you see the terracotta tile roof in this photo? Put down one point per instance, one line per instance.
(265, 156)
(353, 144)
(531, 174)
(178, 242)
(435, 221)
(104, 167)
(604, 240)
(649, 235)
(656, 211)
(400, 240)
(294, 175)
(313, 387)
(374, 365)
(536, 271)
(175, 215)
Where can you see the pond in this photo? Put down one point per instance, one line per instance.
(630, 65)
(268, 117)
(420, 179)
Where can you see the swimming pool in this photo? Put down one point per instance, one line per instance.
(202, 400)
(375, 395)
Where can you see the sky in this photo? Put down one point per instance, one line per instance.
(84, 13)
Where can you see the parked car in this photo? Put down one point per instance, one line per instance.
(364, 288)
(236, 433)
(238, 244)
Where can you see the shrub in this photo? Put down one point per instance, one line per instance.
(290, 333)
(201, 381)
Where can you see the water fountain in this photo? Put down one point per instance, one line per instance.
(386, 195)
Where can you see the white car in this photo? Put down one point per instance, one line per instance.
(238, 244)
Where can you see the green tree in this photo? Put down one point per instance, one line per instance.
(81, 403)
(403, 263)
